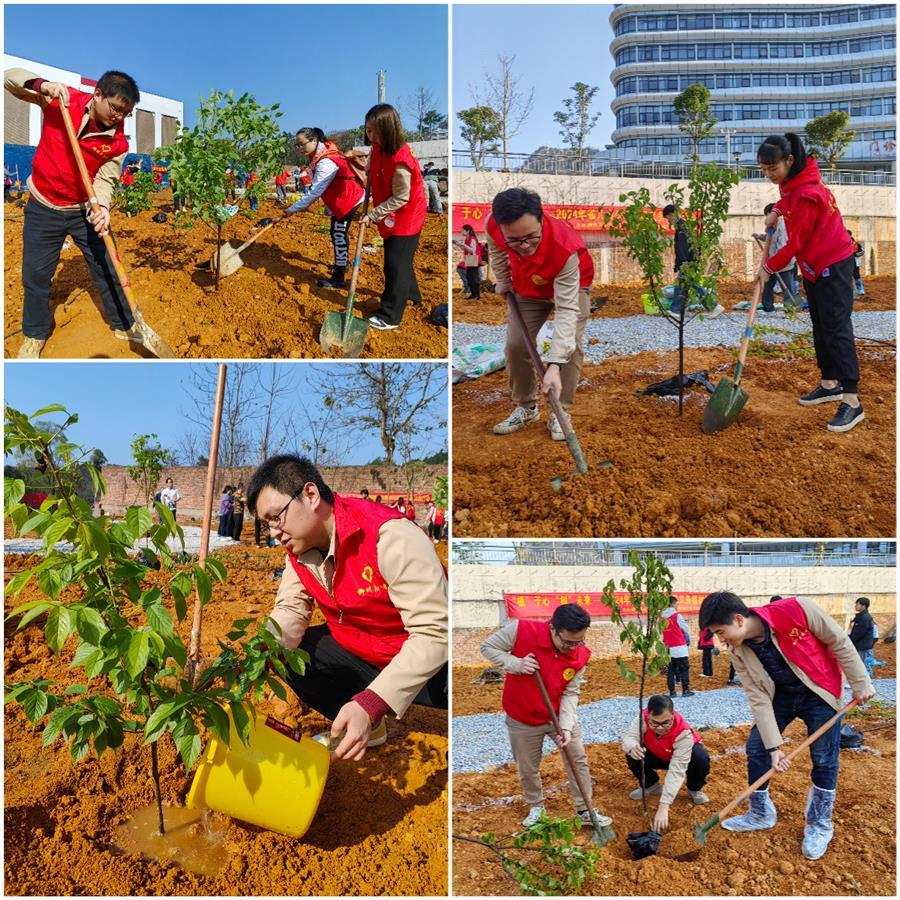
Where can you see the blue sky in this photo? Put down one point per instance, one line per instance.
(319, 62)
(554, 46)
(116, 401)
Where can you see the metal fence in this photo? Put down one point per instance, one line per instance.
(557, 164)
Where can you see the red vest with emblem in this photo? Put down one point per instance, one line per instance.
(533, 275)
(664, 746)
(410, 218)
(54, 172)
(673, 636)
(706, 638)
(359, 613)
(344, 192)
(438, 516)
(800, 646)
(522, 698)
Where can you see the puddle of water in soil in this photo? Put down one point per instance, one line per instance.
(193, 840)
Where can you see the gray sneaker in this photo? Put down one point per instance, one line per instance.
(133, 334)
(649, 791)
(555, 428)
(517, 419)
(31, 348)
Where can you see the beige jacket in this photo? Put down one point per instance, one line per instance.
(401, 186)
(566, 300)
(760, 688)
(497, 649)
(417, 586)
(678, 765)
(108, 175)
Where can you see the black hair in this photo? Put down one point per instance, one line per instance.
(287, 474)
(513, 203)
(170, 479)
(769, 208)
(660, 703)
(570, 617)
(863, 601)
(776, 597)
(669, 209)
(778, 147)
(310, 133)
(365, 492)
(227, 488)
(385, 122)
(469, 229)
(720, 608)
(118, 84)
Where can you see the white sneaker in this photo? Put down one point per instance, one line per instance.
(533, 815)
(133, 334)
(698, 797)
(517, 419)
(602, 820)
(717, 310)
(31, 348)
(650, 791)
(555, 428)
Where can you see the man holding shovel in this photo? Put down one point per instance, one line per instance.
(379, 585)
(556, 650)
(791, 657)
(58, 204)
(544, 263)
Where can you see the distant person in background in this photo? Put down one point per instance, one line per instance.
(400, 505)
(252, 178)
(378, 499)
(859, 254)
(779, 240)
(169, 497)
(472, 261)
(226, 505)
(281, 180)
(230, 184)
(677, 637)
(410, 511)
(238, 502)
(430, 177)
(706, 643)
(364, 493)
(862, 631)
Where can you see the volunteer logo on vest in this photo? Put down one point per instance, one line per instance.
(538, 280)
(367, 574)
(568, 674)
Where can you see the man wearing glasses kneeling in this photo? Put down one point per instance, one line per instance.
(381, 589)
(544, 264)
(661, 739)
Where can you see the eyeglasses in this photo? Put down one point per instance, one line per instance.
(276, 521)
(521, 242)
(569, 645)
(116, 111)
(665, 724)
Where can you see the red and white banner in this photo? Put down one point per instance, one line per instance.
(541, 606)
(582, 218)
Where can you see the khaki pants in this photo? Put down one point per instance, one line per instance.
(527, 741)
(523, 384)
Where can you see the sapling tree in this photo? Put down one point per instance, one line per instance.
(649, 589)
(150, 458)
(240, 134)
(828, 137)
(695, 117)
(135, 197)
(480, 128)
(120, 622)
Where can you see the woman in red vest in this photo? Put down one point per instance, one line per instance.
(57, 205)
(281, 181)
(792, 658)
(660, 738)
(706, 643)
(336, 185)
(824, 250)
(557, 650)
(400, 207)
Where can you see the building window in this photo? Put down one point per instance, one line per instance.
(677, 52)
(733, 20)
(625, 26)
(696, 22)
(840, 16)
(890, 41)
(766, 20)
(648, 54)
(882, 73)
(144, 131)
(828, 48)
(714, 51)
(626, 55)
(658, 23)
(785, 51)
(867, 13)
(803, 20)
(751, 51)
(861, 45)
(649, 115)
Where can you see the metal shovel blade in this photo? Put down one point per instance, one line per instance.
(152, 341)
(724, 406)
(229, 261)
(343, 334)
(701, 831)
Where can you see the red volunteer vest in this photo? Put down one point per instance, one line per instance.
(799, 646)
(54, 171)
(663, 747)
(344, 192)
(673, 636)
(706, 638)
(533, 275)
(359, 613)
(410, 218)
(522, 698)
(438, 516)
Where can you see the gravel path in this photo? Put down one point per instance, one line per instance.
(480, 743)
(191, 543)
(635, 334)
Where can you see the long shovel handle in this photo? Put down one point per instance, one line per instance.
(781, 281)
(571, 438)
(751, 315)
(354, 275)
(258, 235)
(764, 778)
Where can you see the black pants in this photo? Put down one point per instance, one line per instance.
(43, 237)
(731, 673)
(679, 668)
(257, 529)
(334, 676)
(697, 771)
(237, 525)
(473, 279)
(707, 660)
(400, 283)
(339, 228)
(225, 525)
(830, 307)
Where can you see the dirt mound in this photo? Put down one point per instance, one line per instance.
(860, 860)
(381, 826)
(777, 472)
(271, 308)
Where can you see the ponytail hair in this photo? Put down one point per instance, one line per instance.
(778, 147)
(312, 133)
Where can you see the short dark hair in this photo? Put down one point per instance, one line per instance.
(668, 210)
(286, 473)
(170, 479)
(778, 147)
(863, 601)
(365, 492)
(118, 84)
(385, 120)
(312, 134)
(672, 599)
(768, 208)
(513, 203)
(776, 597)
(660, 703)
(570, 617)
(720, 608)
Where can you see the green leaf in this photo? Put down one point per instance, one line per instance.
(18, 581)
(138, 519)
(13, 491)
(216, 719)
(38, 609)
(75, 689)
(91, 625)
(241, 721)
(187, 740)
(34, 523)
(82, 653)
(160, 620)
(157, 721)
(204, 585)
(138, 653)
(35, 703)
(48, 410)
(59, 626)
(216, 568)
(56, 530)
(56, 722)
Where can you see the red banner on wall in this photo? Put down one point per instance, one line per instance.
(541, 606)
(581, 218)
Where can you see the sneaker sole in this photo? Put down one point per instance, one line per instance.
(507, 429)
(849, 425)
(382, 327)
(803, 402)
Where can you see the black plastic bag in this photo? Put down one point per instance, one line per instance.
(263, 222)
(644, 843)
(669, 387)
(439, 315)
(160, 217)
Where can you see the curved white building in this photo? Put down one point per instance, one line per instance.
(769, 68)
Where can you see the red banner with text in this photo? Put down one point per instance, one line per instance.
(541, 606)
(581, 218)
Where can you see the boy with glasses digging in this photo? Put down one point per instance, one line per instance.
(58, 204)
(557, 650)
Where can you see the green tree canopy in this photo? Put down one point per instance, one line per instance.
(481, 129)
(694, 116)
(828, 137)
(575, 119)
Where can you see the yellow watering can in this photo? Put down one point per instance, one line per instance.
(275, 781)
